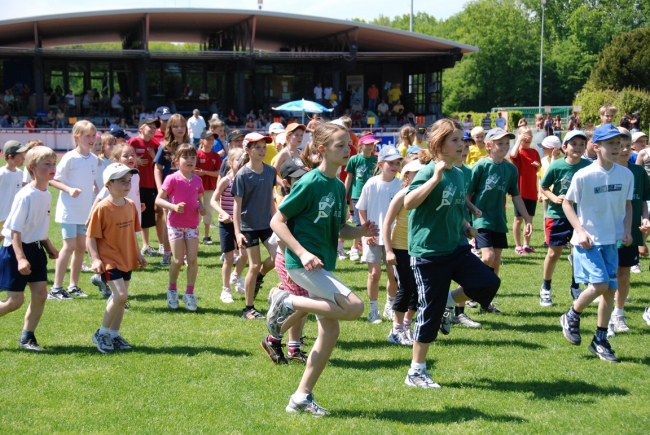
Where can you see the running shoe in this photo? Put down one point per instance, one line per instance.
(278, 313)
(491, 309)
(30, 344)
(610, 330)
(190, 301)
(406, 338)
(374, 317)
(96, 280)
(571, 329)
(273, 290)
(166, 259)
(307, 405)
(646, 315)
(636, 268)
(59, 294)
(529, 249)
(298, 355)
(104, 342)
(120, 343)
(161, 249)
(251, 314)
(223, 257)
(603, 350)
(394, 336)
(545, 297)
(420, 379)
(274, 351)
(471, 304)
(240, 286)
(575, 292)
(85, 268)
(208, 241)
(354, 255)
(172, 299)
(445, 322)
(465, 320)
(519, 250)
(619, 323)
(226, 295)
(235, 259)
(76, 291)
(149, 252)
(342, 255)
(388, 310)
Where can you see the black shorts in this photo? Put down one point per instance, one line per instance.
(115, 274)
(254, 237)
(491, 239)
(148, 198)
(531, 205)
(407, 291)
(12, 280)
(628, 256)
(558, 231)
(227, 237)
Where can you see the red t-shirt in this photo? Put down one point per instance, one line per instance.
(209, 161)
(158, 137)
(527, 172)
(353, 151)
(141, 150)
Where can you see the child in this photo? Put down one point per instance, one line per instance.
(360, 168)
(436, 198)
(397, 256)
(75, 178)
(26, 176)
(628, 256)
(476, 151)
(185, 204)
(639, 142)
(25, 233)
(97, 150)
(219, 147)
(603, 192)
(113, 247)
(252, 210)
(590, 153)
(607, 114)
(558, 229)
(309, 222)
(528, 163)
(11, 179)
(108, 142)
(294, 133)
(373, 204)
(222, 201)
(346, 122)
(207, 167)
(493, 178)
(552, 148)
(406, 138)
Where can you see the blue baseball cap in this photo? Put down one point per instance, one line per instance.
(163, 113)
(119, 133)
(413, 149)
(573, 133)
(606, 131)
(388, 154)
(468, 136)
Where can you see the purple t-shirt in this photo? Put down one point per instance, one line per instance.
(180, 190)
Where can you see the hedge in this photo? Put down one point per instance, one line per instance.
(629, 99)
(513, 118)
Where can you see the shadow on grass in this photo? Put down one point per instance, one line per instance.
(554, 390)
(374, 364)
(490, 343)
(181, 310)
(445, 416)
(174, 350)
(497, 326)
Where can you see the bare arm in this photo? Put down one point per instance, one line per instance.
(97, 265)
(157, 175)
(215, 201)
(627, 236)
(514, 152)
(161, 201)
(391, 214)
(348, 184)
(369, 229)
(236, 219)
(417, 196)
(279, 226)
(521, 208)
(72, 191)
(551, 196)
(640, 157)
(584, 239)
(17, 243)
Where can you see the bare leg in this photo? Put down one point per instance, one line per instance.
(12, 303)
(516, 229)
(420, 352)
(36, 306)
(328, 334)
(77, 259)
(391, 284)
(226, 269)
(62, 262)
(552, 256)
(623, 277)
(192, 249)
(254, 266)
(145, 238)
(178, 251)
(374, 274)
(115, 307)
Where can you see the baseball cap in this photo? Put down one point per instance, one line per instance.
(498, 133)
(117, 170)
(163, 113)
(570, 135)
(276, 127)
(552, 141)
(388, 154)
(119, 133)
(468, 136)
(638, 135)
(256, 137)
(234, 135)
(413, 166)
(292, 169)
(294, 126)
(206, 134)
(420, 130)
(281, 138)
(13, 147)
(150, 121)
(369, 138)
(606, 131)
(413, 149)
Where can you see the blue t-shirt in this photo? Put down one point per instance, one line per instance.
(218, 146)
(165, 160)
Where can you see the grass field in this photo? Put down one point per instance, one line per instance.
(205, 372)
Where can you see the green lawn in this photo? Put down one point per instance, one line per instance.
(205, 372)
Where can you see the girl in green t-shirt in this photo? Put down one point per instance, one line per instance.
(309, 222)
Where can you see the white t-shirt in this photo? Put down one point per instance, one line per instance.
(134, 194)
(99, 176)
(115, 101)
(76, 170)
(600, 196)
(328, 92)
(30, 215)
(26, 177)
(10, 184)
(500, 122)
(318, 92)
(375, 198)
(69, 98)
(195, 126)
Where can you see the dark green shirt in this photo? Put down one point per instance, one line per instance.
(361, 170)
(467, 174)
(489, 185)
(559, 175)
(641, 194)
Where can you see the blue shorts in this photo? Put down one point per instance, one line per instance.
(355, 213)
(12, 280)
(115, 274)
(596, 265)
(490, 239)
(558, 231)
(70, 231)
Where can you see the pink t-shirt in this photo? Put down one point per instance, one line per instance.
(180, 190)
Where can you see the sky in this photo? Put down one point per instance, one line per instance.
(338, 9)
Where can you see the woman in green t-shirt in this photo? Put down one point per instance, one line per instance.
(438, 244)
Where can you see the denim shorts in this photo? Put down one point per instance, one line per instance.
(596, 265)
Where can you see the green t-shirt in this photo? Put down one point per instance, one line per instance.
(316, 210)
(467, 173)
(361, 168)
(641, 193)
(489, 184)
(559, 175)
(436, 225)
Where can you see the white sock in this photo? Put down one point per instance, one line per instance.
(389, 300)
(354, 248)
(114, 333)
(617, 312)
(417, 366)
(374, 305)
(300, 397)
(103, 331)
(450, 301)
(340, 246)
(288, 302)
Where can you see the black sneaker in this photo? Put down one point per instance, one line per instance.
(59, 295)
(251, 314)
(274, 351)
(603, 350)
(76, 291)
(445, 322)
(299, 356)
(30, 344)
(491, 309)
(571, 329)
(120, 344)
(208, 241)
(258, 284)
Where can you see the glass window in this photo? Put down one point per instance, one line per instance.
(172, 80)
(419, 93)
(76, 76)
(194, 78)
(99, 77)
(53, 75)
(122, 78)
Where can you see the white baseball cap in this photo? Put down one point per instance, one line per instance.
(115, 171)
(413, 166)
(551, 142)
(638, 135)
(276, 127)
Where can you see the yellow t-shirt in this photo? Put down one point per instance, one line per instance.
(271, 151)
(394, 95)
(399, 236)
(475, 154)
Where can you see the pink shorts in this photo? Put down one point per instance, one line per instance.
(182, 233)
(287, 283)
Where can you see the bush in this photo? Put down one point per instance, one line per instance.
(629, 99)
(513, 118)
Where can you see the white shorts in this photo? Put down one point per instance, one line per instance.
(320, 283)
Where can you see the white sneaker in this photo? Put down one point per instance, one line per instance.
(421, 379)
(273, 290)
(610, 330)
(405, 335)
(635, 269)
(172, 299)
(240, 286)
(226, 295)
(464, 319)
(646, 315)
(354, 255)
(233, 278)
(619, 323)
(374, 317)
(545, 298)
(161, 249)
(223, 257)
(388, 310)
(190, 301)
(342, 255)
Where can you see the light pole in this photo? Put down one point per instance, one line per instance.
(541, 58)
(411, 20)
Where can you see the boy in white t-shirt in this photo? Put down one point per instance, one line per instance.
(372, 205)
(22, 260)
(75, 178)
(11, 179)
(603, 193)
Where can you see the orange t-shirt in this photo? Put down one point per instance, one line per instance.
(373, 93)
(114, 227)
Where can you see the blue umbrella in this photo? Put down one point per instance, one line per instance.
(303, 106)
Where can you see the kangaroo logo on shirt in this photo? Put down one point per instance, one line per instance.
(565, 182)
(447, 196)
(325, 206)
(491, 182)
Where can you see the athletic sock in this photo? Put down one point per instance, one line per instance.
(340, 246)
(374, 305)
(273, 339)
(573, 314)
(299, 397)
(450, 301)
(103, 331)
(26, 335)
(546, 285)
(260, 277)
(249, 307)
(617, 312)
(167, 252)
(459, 310)
(172, 287)
(189, 290)
(397, 326)
(293, 347)
(417, 366)
(601, 334)
(114, 333)
(288, 302)
(407, 324)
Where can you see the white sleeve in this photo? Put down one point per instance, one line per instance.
(17, 216)
(26, 177)
(362, 203)
(573, 194)
(103, 194)
(61, 169)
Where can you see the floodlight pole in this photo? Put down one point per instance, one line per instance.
(411, 21)
(541, 58)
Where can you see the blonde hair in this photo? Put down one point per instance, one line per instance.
(588, 131)
(305, 156)
(476, 131)
(118, 150)
(347, 121)
(107, 139)
(625, 131)
(233, 155)
(324, 132)
(81, 127)
(406, 135)
(408, 159)
(438, 132)
(35, 156)
(33, 143)
(523, 130)
(608, 108)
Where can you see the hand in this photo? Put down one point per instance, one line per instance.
(391, 260)
(310, 261)
(645, 225)
(143, 206)
(371, 241)
(241, 240)
(369, 229)
(537, 165)
(528, 231)
(141, 162)
(98, 267)
(225, 218)
(202, 210)
(52, 253)
(584, 240)
(24, 267)
(643, 251)
(142, 261)
(559, 199)
(179, 208)
(627, 239)
(199, 171)
(151, 152)
(74, 192)
(470, 232)
(439, 167)
(477, 213)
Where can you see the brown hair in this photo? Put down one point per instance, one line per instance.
(119, 149)
(407, 135)
(33, 143)
(305, 156)
(324, 132)
(216, 123)
(184, 150)
(170, 141)
(438, 132)
(347, 121)
(107, 139)
(588, 131)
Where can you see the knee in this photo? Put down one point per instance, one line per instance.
(119, 298)
(552, 255)
(355, 310)
(178, 262)
(192, 262)
(374, 275)
(255, 267)
(39, 297)
(13, 303)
